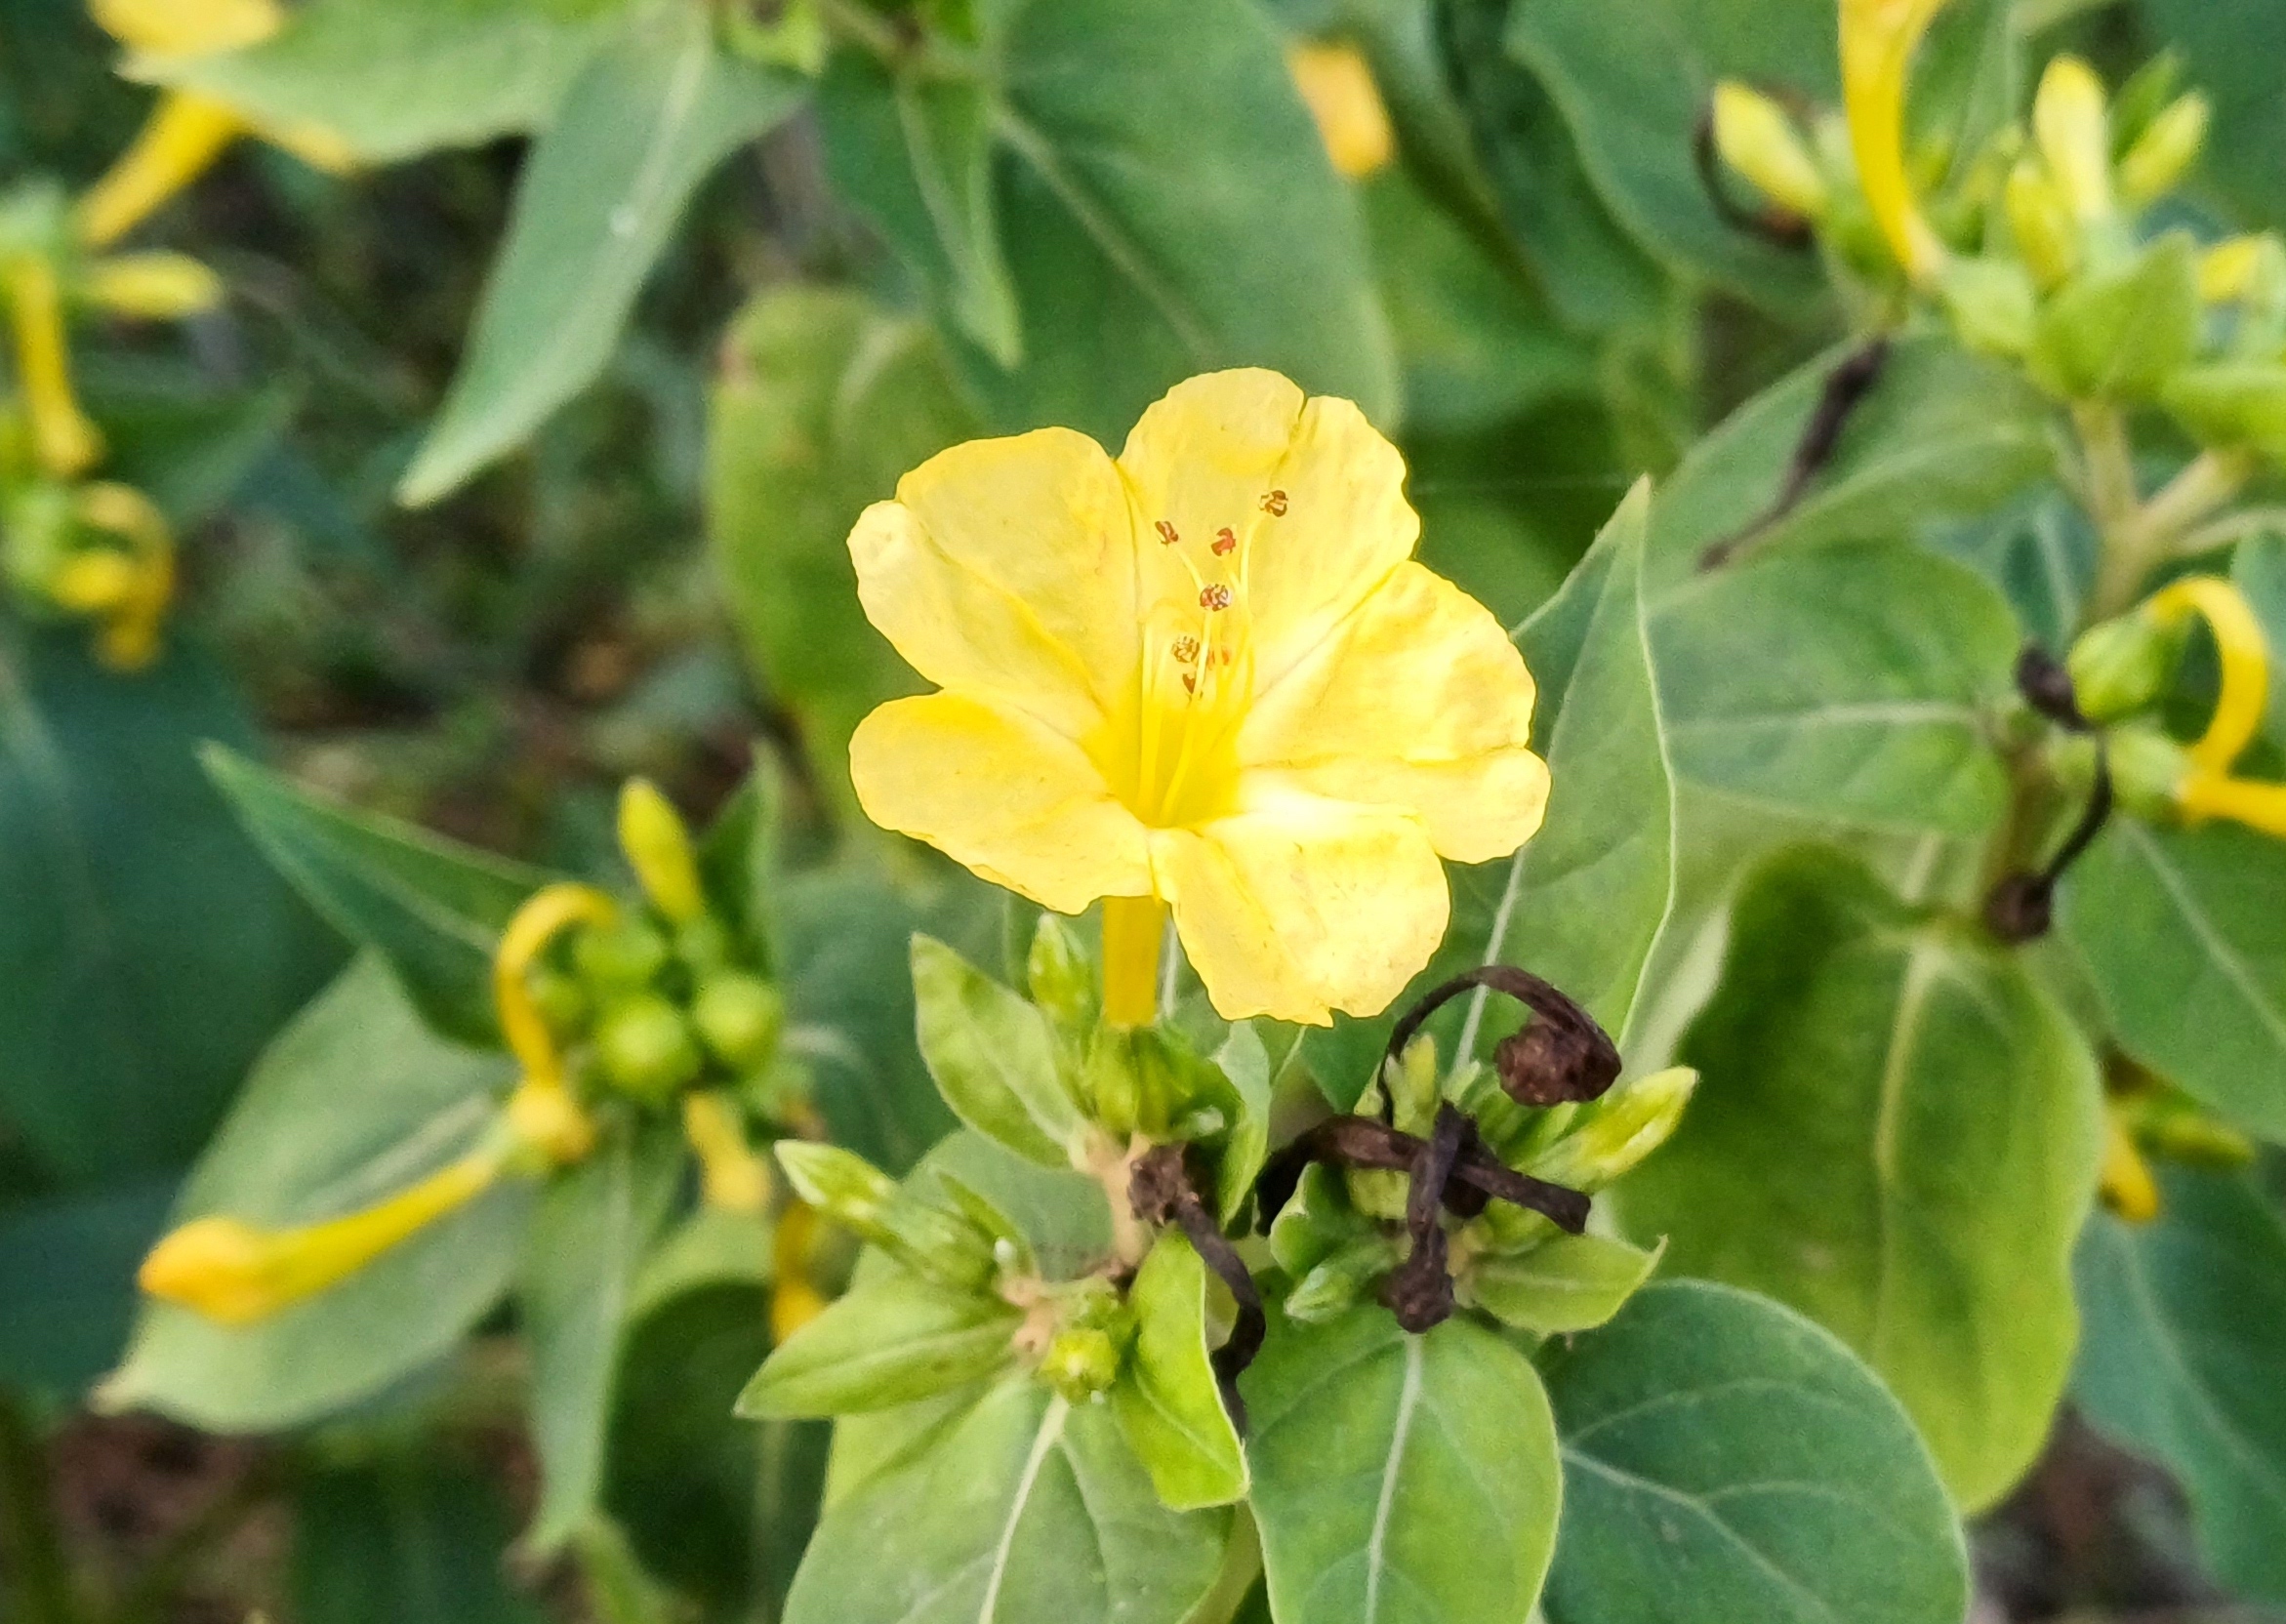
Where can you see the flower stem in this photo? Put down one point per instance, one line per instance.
(1131, 931)
(2138, 541)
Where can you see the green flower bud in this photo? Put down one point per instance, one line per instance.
(861, 1198)
(1411, 1082)
(562, 1000)
(1611, 1135)
(739, 1017)
(1342, 1278)
(2038, 217)
(1756, 137)
(1080, 1362)
(617, 956)
(2122, 665)
(1378, 1192)
(1061, 979)
(1992, 304)
(658, 846)
(2072, 128)
(703, 944)
(2166, 149)
(2147, 768)
(2233, 403)
(646, 1048)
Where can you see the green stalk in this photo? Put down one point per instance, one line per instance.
(39, 1569)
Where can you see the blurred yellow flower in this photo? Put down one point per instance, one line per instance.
(1337, 87)
(1878, 39)
(187, 28)
(2207, 789)
(1207, 675)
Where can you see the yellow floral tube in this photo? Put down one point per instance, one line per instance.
(658, 848)
(134, 620)
(795, 1299)
(1209, 676)
(732, 1177)
(541, 1109)
(179, 143)
(152, 287)
(1878, 38)
(62, 439)
(236, 1273)
(2245, 665)
(187, 28)
(2126, 1183)
(1337, 87)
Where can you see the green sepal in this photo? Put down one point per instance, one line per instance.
(2117, 333)
(894, 1338)
(1573, 1282)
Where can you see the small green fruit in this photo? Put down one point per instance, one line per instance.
(703, 945)
(562, 1000)
(622, 955)
(740, 1017)
(647, 1048)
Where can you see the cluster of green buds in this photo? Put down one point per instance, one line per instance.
(656, 1005)
(1343, 1233)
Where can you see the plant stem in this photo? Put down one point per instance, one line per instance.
(34, 1544)
(2151, 532)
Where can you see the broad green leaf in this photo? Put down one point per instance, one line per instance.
(2226, 45)
(823, 400)
(647, 119)
(1062, 1215)
(1634, 78)
(146, 949)
(2040, 550)
(1725, 1459)
(1167, 208)
(1024, 1509)
(893, 1339)
(403, 1538)
(2117, 333)
(2258, 568)
(352, 1102)
(992, 1056)
(431, 908)
(1400, 1478)
(917, 149)
(1573, 1282)
(2185, 1318)
(74, 1257)
(1166, 1400)
(1896, 1134)
(397, 80)
(594, 1226)
(1865, 695)
(2181, 933)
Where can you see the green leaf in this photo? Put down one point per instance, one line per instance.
(2185, 1316)
(1245, 1065)
(405, 1538)
(431, 908)
(352, 1102)
(1166, 1400)
(1573, 1282)
(893, 1339)
(1022, 1510)
(2181, 934)
(578, 1278)
(643, 124)
(1725, 1459)
(1167, 208)
(75, 1257)
(992, 1056)
(2224, 43)
(146, 949)
(1400, 1478)
(2117, 333)
(1635, 77)
(917, 149)
(741, 860)
(1899, 1133)
(823, 400)
(397, 80)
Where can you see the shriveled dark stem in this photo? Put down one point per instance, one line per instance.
(1846, 386)
(1780, 227)
(1561, 1056)
(1366, 1142)
(2021, 906)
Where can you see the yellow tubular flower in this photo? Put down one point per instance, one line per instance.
(1337, 87)
(236, 1273)
(541, 1109)
(152, 287)
(731, 1176)
(185, 136)
(2245, 662)
(658, 848)
(1756, 137)
(2073, 130)
(1878, 39)
(187, 28)
(795, 1300)
(131, 632)
(2126, 1183)
(64, 439)
(1207, 673)
(2260, 806)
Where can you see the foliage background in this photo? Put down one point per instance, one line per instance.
(494, 664)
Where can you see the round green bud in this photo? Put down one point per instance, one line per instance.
(562, 1000)
(621, 956)
(740, 1017)
(1080, 1363)
(2122, 665)
(646, 1048)
(703, 944)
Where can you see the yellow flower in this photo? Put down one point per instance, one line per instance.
(187, 28)
(2126, 1183)
(1338, 89)
(1209, 676)
(1878, 38)
(64, 439)
(2207, 789)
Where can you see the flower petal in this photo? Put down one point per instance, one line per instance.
(1000, 794)
(1419, 703)
(1006, 569)
(1303, 906)
(1312, 494)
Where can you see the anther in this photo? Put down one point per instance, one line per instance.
(1190, 683)
(1166, 533)
(1186, 648)
(1224, 542)
(1274, 505)
(1216, 597)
